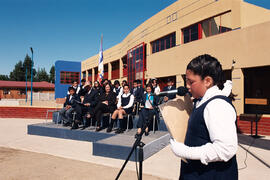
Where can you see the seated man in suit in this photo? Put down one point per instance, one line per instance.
(85, 110)
(69, 106)
(170, 86)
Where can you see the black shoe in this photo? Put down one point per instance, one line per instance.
(75, 126)
(136, 135)
(84, 127)
(66, 124)
(109, 129)
(146, 133)
(119, 131)
(98, 129)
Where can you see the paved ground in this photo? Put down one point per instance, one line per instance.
(13, 133)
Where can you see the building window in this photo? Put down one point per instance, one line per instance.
(163, 43)
(192, 33)
(21, 92)
(89, 74)
(216, 25)
(96, 73)
(84, 74)
(224, 29)
(136, 63)
(69, 77)
(6, 91)
(115, 69)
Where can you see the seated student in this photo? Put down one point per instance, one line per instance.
(123, 83)
(82, 86)
(168, 88)
(117, 88)
(75, 87)
(97, 87)
(124, 106)
(148, 104)
(106, 104)
(85, 110)
(69, 106)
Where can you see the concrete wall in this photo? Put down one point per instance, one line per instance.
(251, 15)
(247, 44)
(180, 14)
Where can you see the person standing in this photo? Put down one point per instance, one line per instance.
(170, 86)
(210, 144)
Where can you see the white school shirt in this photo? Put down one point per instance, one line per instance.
(220, 119)
(130, 103)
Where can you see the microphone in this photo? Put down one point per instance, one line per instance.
(180, 91)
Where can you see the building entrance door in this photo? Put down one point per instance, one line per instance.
(136, 62)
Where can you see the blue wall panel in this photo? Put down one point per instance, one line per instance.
(71, 66)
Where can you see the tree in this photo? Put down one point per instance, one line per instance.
(52, 74)
(4, 77)
(18, 73)
(41, 75)
(27, 63)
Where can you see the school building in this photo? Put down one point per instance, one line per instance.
(233, 31)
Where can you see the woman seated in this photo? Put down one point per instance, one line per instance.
(106, 104)
(148, 104)
(124, 106)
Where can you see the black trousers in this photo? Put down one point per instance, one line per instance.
(99, 110)
(145, 117)
(82, 110)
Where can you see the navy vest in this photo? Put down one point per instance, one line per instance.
(198, 135)
(125, 100)
(117, 91)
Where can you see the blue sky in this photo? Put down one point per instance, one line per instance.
(69, 29)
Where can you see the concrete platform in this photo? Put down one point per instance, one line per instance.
(104, 144)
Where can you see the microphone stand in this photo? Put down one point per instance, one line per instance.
(136, 144)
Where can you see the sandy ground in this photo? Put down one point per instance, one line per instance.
(24, 165)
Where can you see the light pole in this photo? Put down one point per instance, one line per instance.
(25, 83)
(32, 75)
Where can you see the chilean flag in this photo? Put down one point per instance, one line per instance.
(100, 62)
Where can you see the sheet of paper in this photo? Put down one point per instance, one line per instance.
(176, 114)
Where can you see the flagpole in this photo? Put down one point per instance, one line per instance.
(100, 61)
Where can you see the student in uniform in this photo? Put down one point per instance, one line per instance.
(118, 90)
(69, 107)
(169, 87)
(148, 105)
(211, 139)
(124, 106)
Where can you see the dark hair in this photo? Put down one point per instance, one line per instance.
(116, 82)
(139, 81)
(71, 88)
(83, 80)
(149, 85)
(206, 65)
(169, 80)
(135, 81)
(126, 85)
